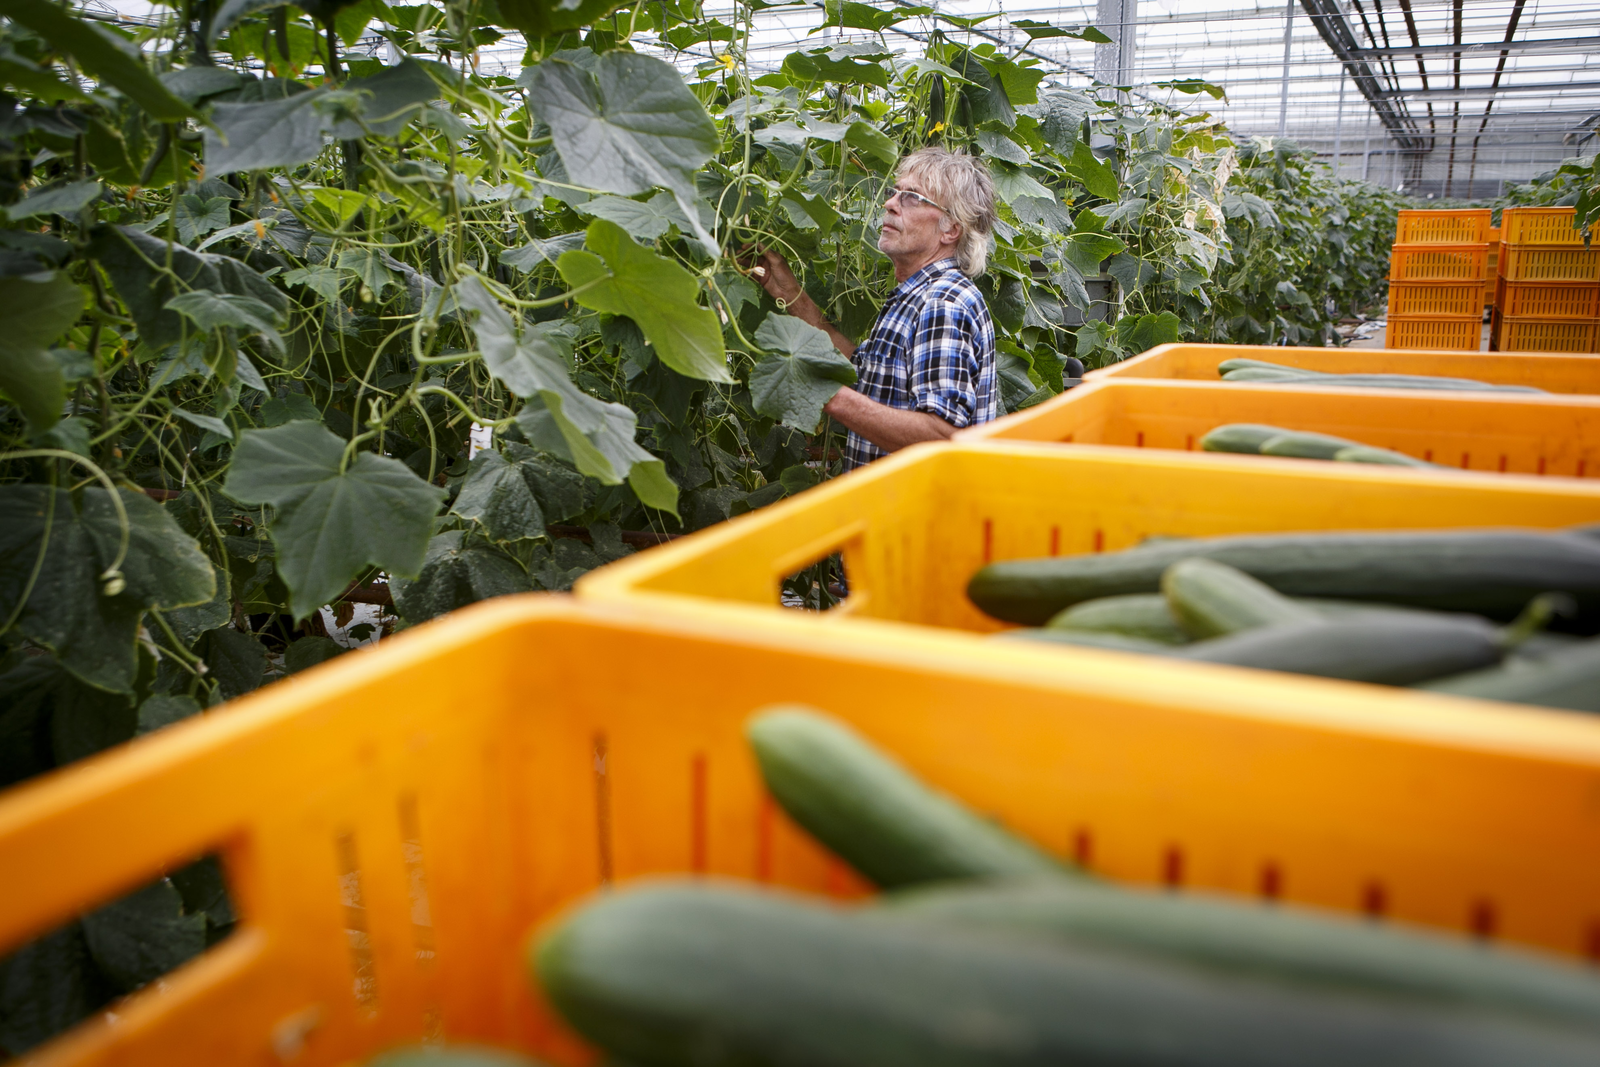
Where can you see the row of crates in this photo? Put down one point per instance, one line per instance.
(1534, 273)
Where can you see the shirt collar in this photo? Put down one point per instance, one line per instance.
(924, 277)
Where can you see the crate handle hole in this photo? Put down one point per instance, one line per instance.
(365, 985)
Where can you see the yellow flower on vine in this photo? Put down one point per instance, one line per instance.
(937, 126)
(727, 61)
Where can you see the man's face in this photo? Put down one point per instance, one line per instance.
(910, 226)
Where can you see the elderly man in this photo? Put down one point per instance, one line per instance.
(927, 369)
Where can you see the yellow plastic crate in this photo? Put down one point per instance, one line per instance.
(409, 814)
(1539, 226)
(1546, 335)
(1455, 226)
(1438, 263)
(1458, 334)
(1549, 300)
(1489, 432)
(1198, 362)
(1436, 298)
(1491, 266)
(1541, 263)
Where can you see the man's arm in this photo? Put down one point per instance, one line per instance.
(891, 429)
(773, 272)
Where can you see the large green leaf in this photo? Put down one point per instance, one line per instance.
(34, 311)
(332, 523)
(647, 220)
(456, 574)
(210, 311)
(196, 217)
(144, 935)
(550, 18)
(630, 126)
(497, 497)
(656, 293)
(1097, 177)
(873, 142)
(803, 374)
(985, 94)
(235, 662)
(46, 986)
(109, 58)
(65, 200)
(1140, 333)
(852, 15)
(820, 66)
(136, 261)
(274, 133)
(67, 609)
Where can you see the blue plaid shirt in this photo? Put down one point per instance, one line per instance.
(932, 349)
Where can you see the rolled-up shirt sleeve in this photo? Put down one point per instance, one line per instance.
(944, 362)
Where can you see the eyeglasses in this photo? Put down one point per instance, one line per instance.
(908, 194)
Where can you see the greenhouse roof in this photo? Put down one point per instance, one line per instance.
(1443, 97)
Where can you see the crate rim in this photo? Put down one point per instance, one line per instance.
(1265, 351)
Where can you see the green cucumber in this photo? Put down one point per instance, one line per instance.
(1383, 456)
(1210, 599)
(1387, 651)
(1228, 365)
(1488, 572)
(1264, 374)
(873, 813)
(1304, 445)
(1144, 615)
(1087, 639)
(1410, 381)
(697, 975)
(1245, 437)
(1272, 942)
(1556, 678)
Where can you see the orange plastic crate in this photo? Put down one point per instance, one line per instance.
(375, 818)
(1491, 267)
(1435, 298)
(1543, 263)
(1438, 263)
(1438, 334)
(1546, 335)
(1189, 361)
(1539, 226)
(1549, 300)
(1493, 433)
(1459, 226)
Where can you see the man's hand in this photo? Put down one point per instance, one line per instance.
(772, 272)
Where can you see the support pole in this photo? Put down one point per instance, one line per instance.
(1366, 147)
(1114, 62)
(1338, 126)
(1283, 94)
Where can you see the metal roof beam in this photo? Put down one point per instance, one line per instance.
(1560, 45)
(1480, 92)
(1336, 31)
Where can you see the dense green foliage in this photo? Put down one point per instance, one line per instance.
(1574, 184)
(255, 295)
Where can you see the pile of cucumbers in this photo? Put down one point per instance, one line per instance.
(985, 951)
(1259, 440)
(1255, 370)
(1454, 611)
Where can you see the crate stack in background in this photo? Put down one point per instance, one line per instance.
(1438, 271)
(1547, 284)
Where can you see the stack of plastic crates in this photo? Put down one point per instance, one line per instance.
(1437, 274)
(1547, 293)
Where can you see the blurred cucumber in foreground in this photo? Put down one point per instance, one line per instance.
(1285, 943)
(691, 974)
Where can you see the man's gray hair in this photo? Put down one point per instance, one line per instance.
(962, 186)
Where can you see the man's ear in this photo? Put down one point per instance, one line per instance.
(950, 235)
